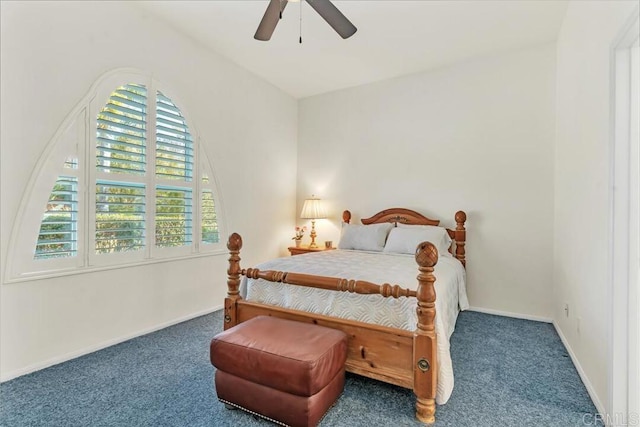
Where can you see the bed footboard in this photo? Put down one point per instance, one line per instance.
(387, 354)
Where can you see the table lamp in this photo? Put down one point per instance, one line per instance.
(312, 209)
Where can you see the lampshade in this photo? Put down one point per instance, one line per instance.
(313, 209)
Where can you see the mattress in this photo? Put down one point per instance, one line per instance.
(378, 268)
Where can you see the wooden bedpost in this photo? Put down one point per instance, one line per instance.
(234, 244)
(346, 216)
(460, 237)
(425, 363)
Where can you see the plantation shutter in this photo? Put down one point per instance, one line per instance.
(174, 161)
(174, 216)
(174, 144)
(120, 209)
(121, 133)
(135, 189)
(209, 225)
(59, 227)
(120, 216)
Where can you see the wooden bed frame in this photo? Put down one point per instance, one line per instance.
(396, 356)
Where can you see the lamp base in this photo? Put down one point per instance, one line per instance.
(313, 234)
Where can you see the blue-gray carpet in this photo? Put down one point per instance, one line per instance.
(508, 372)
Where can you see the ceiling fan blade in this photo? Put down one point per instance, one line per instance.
(270, 20)
(334, 17)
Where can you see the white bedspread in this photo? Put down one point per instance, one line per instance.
(377, 268)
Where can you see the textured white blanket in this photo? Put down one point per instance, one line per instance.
(378, 268)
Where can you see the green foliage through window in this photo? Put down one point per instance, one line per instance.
(121, 132)
(120, 217)
(210, 232)
(58, 230)
(174, 144)
(173, 216)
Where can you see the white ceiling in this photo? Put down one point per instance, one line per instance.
(394, 37)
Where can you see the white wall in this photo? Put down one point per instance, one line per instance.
(581, 271)
(52, 52)
(476, 136)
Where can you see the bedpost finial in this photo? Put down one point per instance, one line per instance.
(235, 242)
(426, 254)
(346, 216)
(461, 217)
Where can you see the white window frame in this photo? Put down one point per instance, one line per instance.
(76, 137)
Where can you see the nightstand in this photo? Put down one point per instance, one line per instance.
(306, 249)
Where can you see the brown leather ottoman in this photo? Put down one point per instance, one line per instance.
(288, 372)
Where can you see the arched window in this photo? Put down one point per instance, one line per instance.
(132, 185)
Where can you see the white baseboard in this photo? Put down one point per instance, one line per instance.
(583, 376)
(510, 314)
(87, 350)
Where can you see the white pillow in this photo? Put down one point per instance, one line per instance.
(364, 237)
(405, 239)
(444, 244)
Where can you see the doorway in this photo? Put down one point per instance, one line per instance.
(624, 367)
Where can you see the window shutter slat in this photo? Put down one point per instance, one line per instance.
(119, 154)
(172, 125)
(118, 126)
(164, 100)
(171, 141)
(131, 141)
(116, 162)
(133, 92)
(176, 160)
(135, 110)
(118, 116)
(168, 112)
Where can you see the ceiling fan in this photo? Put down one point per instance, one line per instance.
(325, 9)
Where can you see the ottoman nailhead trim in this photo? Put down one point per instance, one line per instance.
(272, 420)
(253, 413)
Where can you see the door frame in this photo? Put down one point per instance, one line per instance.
(624, 305)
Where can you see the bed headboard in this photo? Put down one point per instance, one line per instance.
(407, 216)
